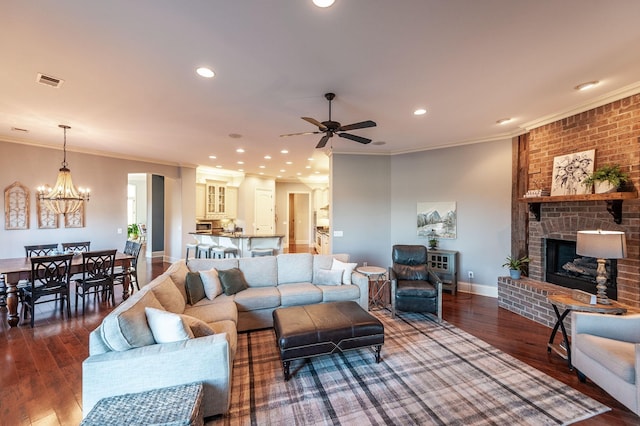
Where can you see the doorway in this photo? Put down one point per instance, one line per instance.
(299, 220)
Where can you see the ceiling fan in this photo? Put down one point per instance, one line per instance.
(330, 127)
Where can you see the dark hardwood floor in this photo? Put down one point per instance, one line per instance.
(41, 372)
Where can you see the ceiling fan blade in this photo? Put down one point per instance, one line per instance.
(302, 133)
(323, 141)
(315, 123)
(354, 138)
(360, 125)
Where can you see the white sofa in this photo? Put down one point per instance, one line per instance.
(124, 356)
(606, 349)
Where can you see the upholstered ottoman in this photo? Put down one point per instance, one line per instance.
(324, 328)
(177, 405)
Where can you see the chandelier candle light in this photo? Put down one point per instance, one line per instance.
(602, 245)
(63, 198)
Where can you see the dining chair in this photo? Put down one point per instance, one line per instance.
(41, 250)
(82, 246)
(50, 276)
(97, 276)
(121, 274)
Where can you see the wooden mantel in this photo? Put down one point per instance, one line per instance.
(613, 200)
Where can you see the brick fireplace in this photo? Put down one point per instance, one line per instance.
(613, 130)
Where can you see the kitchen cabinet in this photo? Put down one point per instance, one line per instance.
(201, 211)
(215, 197)
(231, 202)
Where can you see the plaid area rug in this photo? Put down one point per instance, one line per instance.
(429, 374)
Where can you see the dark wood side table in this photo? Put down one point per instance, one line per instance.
(566, 302)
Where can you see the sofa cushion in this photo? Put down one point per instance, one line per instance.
(126, 326)
(347, 269)
(202, 264)
(178, 273)
(168, 294)
(194, 288)
(259, 271)
(255, 298)
(167, 327)
(299, 294)
(333, 293)
(198, 327)
(211, 283)
(327, 277)
(232, 281)
(220, 309)
(294, 268)
(616, 356)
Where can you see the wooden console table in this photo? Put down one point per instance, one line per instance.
(566, 302)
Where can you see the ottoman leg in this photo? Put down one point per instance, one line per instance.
(285, 368)
(378, 349)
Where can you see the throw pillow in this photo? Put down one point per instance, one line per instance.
(211, 283)
(328, 276)
(232, 281)
(198, 327)
(194, 288)
(346, 267)
(167, 327)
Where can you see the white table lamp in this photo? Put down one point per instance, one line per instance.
(602, 245)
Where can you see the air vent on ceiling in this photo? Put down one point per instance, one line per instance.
(48, 80)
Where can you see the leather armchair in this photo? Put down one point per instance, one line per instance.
(606, 349)
(414, 288)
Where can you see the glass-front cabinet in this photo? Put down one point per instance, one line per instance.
(215, 199)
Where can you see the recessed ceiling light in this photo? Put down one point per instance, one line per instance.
(504, 120)
(307, 167)
(262, 167)
(282, 170)
(261, 173)
(310, 159)
(205, 72)
(218, 166)
(420, 111)
(241, 170)
(289, 162)
(213, 157)
(240, 150)
(240, 162)
(323, 3)
(317, 172)
(298, 174)
(267, 157)
(284, 151)
(587, 85)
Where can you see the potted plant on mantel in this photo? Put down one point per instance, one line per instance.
(515, 266)
(606, 178)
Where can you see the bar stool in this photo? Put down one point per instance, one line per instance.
(223, 252)
(204, 249)
(191, 246)
(257, 252)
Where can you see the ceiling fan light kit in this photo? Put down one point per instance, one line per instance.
(330, 127)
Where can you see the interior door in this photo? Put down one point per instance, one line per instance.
(264, 213)
(292, 220)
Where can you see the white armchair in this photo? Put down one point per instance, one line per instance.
(606, 349)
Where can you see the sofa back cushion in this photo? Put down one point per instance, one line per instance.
(259, 271)
(295, 268)
(168, 294)
(197, 265)
(178, 273)
(126, 326)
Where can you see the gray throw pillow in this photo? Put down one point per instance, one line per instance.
(232, 281)
(327, 276)
(194, 288)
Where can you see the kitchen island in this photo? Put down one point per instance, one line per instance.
(243, 242)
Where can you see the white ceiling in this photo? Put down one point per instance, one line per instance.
(130, 87)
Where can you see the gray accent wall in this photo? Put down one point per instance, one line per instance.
(374, 203)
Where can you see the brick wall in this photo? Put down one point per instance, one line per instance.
(613, 130)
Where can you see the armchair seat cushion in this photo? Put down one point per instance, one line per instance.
(615, 355)
(410, 288)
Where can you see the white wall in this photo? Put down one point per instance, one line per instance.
(374, 203)
(247, 201)
(106, 212)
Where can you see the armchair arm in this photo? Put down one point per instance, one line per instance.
(619, 327)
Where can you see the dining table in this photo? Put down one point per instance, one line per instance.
(15, 269)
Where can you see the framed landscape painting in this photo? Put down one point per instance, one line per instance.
(569, 171)
(437, 219)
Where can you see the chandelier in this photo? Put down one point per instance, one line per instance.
(63, 198)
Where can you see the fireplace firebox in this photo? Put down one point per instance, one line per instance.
(567, 269)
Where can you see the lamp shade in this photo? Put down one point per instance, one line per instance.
(601, 244)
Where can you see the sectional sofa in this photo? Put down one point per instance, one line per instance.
(173, 331)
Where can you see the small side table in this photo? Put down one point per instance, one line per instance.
(378, 278)
(566, 302)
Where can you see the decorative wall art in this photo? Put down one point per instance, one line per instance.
(570, 170)
(75, 219)
(46, 218)
(438, 217)
(16, 206)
